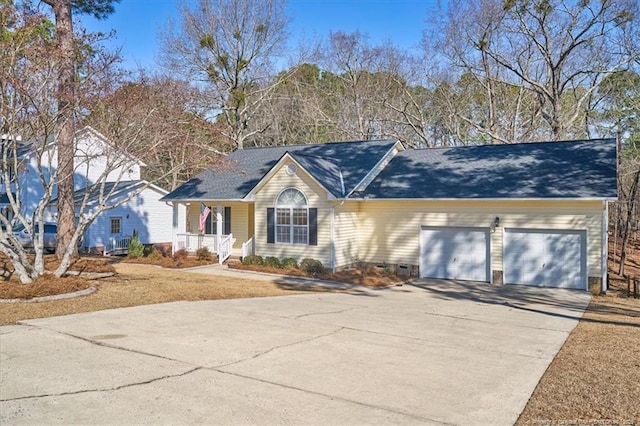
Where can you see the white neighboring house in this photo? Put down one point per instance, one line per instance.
(111, 231)
(97, 160)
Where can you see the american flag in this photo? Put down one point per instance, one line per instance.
(203, 218)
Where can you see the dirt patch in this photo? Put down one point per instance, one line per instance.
(368, 278)
(142, 285)
(596, 375)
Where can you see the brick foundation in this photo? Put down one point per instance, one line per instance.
(498, 278)
(595, 285)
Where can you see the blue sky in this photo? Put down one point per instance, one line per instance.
(137, 23)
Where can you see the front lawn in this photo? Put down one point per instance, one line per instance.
(142, 285)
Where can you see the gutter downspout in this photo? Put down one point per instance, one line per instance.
(333, 239)
(605, 244)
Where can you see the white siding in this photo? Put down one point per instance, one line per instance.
(93, 156)
(145, 213)
(316, 196)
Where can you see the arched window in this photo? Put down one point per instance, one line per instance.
(292, 217)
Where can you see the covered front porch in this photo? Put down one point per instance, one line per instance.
(225, 228)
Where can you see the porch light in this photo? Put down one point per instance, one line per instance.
(495, 224)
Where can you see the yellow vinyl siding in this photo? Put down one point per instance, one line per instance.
(239, 223)
(389, 230)
(239, 220)
(346, 233)
(265, 198)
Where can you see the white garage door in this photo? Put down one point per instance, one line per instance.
(454, 253)
(548, 258)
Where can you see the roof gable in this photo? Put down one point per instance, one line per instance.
(244, 169)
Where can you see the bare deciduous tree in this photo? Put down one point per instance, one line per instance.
(557, 51)
(229, 46)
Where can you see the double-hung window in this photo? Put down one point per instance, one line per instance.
(116, 225)
(292, 217)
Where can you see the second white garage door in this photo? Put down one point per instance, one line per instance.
(549, 258)
(454, 253)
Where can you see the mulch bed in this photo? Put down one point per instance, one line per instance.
(46, 285)
(368, 278)
(170, 262)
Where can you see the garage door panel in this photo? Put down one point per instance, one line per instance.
(550, 258)
(454, 253)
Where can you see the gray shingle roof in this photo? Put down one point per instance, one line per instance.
(245, 168)
(117, 187)
(572, 169)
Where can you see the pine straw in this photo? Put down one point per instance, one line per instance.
(596, 375)
(368, 278)
(170, 262)
(142, 285)
(51, 262)
(46, 285)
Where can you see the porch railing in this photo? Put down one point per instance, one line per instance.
(118, 245)
(193, 242)
(248, 247)
(224, 247)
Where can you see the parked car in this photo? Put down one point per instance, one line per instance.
(50, 234)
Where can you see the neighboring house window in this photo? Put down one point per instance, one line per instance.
(116, 225)
(292, 221)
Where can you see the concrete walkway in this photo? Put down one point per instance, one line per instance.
(430, 353)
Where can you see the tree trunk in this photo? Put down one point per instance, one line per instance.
(627, 224)
(66, 96)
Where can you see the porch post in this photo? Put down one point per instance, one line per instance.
(219, 226)
(333, 239)
(174, 228)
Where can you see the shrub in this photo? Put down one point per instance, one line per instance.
(312, 266)
(252, 260)
(289, 263)
(274, 262)
(136, 248)
(181, 254)
(203, 253)
(155, 255)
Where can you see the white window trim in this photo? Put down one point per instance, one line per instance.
(291, 225)
(111, 219)
(212, 219)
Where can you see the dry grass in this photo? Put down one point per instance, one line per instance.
(595, 378)
(368, 278)
(142, 285)
(596, 374)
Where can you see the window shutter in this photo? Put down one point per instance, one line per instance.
(227, 221)
(313, 227)
(271, 226)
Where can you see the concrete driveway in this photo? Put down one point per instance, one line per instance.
(434, 353)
